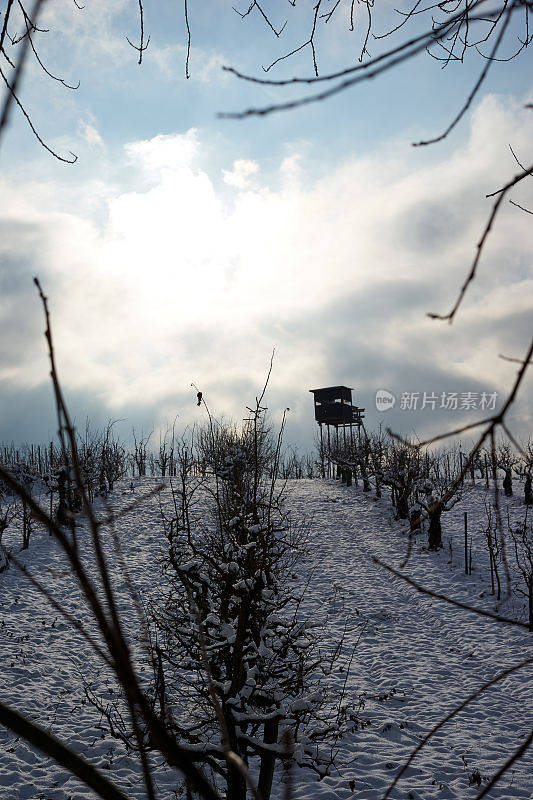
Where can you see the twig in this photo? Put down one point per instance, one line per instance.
(187, 74)
(59, 608)
(141, 47)
(480, 245)
(522, 208)
(48, 744)
(309, 42)
(449, 717)
(111, 518)
(449, 600)
(477, 85)
(5, 115)
(518, 753)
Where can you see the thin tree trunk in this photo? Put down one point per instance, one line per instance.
(268, 760)
(435, 530)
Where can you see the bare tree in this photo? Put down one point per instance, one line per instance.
(252, 655)
(164, 457)
(434, 506)
(401, 472)
(113, 459)
(452, 31)
(506, 460)
(140, 452)
(522, 537)
(524, 470)
(112, 645)
(8, 513)
(495, 550)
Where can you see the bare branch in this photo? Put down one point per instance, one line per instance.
(141, 47)
(186, 11)
(5, 113)
(477, 85)
(514, 360)
(29, 27)
(309, 42)
(518, 753)
(438, 596)
(255, 4)
(450, 716)
(48, 744)
(480, 245)
(522, 208)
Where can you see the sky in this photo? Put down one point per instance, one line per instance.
(183, 247)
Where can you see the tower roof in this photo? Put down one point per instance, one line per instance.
(332, 389)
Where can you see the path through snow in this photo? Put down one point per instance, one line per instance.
(415, 660)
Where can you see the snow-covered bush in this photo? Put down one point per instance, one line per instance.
(506, 460)
(238, 667)
(8, 512)
(522, 537)
(401, 471)
(495, 545)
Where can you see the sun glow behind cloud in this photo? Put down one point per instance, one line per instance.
(196, 274)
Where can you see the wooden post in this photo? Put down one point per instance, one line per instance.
(466, 543)
(323, 466)
(486, 472)
(530, 587)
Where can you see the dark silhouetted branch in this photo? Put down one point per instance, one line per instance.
(450, 716)
(141, 47)
(518, 753)
(186, 12)
(48, 744)
(438, 596)
(481, 244)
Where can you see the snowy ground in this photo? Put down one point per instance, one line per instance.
(416, 658)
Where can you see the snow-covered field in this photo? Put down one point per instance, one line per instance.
(416, 657)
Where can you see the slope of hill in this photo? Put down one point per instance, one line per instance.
(407, 659)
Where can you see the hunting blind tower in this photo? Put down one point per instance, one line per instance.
(334, 408)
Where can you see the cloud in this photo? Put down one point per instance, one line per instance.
(189, 278)
(90, 134)
(94, 29)
(164, 154)
(205, 66)
(239, 176)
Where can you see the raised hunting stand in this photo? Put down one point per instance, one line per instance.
(334, 409)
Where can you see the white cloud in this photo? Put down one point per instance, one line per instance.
(90, 134)
(239, 176)
(205, 66)
(164, 154)
(90, 29)
(180, 284)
